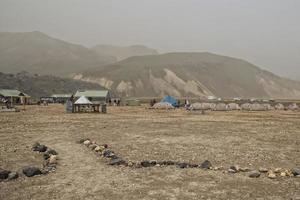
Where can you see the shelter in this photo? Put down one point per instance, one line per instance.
(257, 107)
(171, 100)
(14, 96)
(279, 106)
(163, 105)
(95, 96)
(221, 107)
(200, 106)
(246, 106)
(61, 98)
(293, 106)
(84, 105)
(130, 102)
(233, 106)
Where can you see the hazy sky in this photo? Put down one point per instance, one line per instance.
(264, 32)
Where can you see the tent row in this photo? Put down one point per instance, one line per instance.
(245, 106)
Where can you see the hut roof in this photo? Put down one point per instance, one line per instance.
(92, 93)
(12, 93)
(83, 100)
(61, 95)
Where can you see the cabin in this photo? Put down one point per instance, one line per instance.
(14, 96)
(95, 96)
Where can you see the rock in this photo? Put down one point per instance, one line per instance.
(12, 175)
(40, 148)
(182, 165)
(31, 171)
(108, 153)
(46, 156)
(254, 174)
(99, 149)
(53, 159)
(193, 165)
(117, 161)
(263, 170)
(49, 168)
(206, 165)
(4, 174)
(92, 146)
(232, 171)
(298, 176)
(277, 170)
(51, 152)
(87, 142)
(35, 145)
(82, 140)
(236, 168)
(146, 163)
(130, 164)
(105, 146)
(245, 169)
(295, 171)
(271, 175)
(283, 174)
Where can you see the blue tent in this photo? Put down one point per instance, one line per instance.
(170, 99)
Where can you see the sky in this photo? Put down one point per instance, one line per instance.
(263, 32)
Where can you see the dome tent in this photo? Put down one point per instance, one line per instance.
(171, 100)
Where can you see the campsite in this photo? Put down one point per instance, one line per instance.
(247, 139)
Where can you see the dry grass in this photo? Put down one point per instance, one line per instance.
(256, 139)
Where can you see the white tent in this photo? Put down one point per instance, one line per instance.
(83, 100)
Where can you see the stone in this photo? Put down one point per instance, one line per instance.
(87, 142)
(12, 176)
(31, 171)
(46, 156)
(105, 146)
(206, 164)
(39, 147)
(92, 146)
(4, 174)
(117, 161)
(51, 152)
(99, 149)
(82, 140)
(232, 171)
(263, 170)
(271, 175)
(146, 163)
(254, 174)
(35, 145)
(245, 169)
(49, 168)
(53, 159)
(298, 176)
(108, 153)
(295, 171)
(283, 174)
(193, 165)
(130, 164)
(277, 170)
(182, 165)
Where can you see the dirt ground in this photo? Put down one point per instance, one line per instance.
(248, 139)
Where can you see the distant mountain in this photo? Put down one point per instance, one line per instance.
(38, 53)
(38, 86)
(190, 74)
(120, 53)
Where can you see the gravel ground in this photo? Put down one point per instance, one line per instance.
(248, 139)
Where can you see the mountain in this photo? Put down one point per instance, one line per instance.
(38, 53)
(190, 74)
(38, 86)
(121, 53)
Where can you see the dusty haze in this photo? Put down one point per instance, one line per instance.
(264, 32)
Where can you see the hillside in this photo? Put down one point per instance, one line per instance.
(190, 74)
(37, 86)
(120, 53)
(38, 53)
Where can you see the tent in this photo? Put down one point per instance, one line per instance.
(83, 101)
(171, 100)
